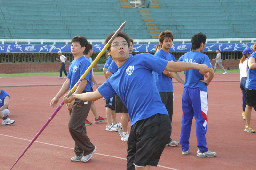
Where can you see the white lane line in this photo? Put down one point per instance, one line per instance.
(59, 146)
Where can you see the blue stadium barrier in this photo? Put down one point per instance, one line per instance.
(66, 48)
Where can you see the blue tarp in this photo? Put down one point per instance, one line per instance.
(46, 48)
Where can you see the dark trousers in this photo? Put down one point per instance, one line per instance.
(167, 99)
(62, 68)
(77, 129)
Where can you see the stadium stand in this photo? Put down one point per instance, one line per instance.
(48, 23)
(47, 19)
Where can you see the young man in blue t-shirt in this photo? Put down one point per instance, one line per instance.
(78, 109)
(133, 83)
(119, 105)
(250, 91)
(112, 124)
(164, 81)
(4, 111)
(88, 53)
(195, 98)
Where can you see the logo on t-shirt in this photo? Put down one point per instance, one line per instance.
(189, 60)
(75, 69)
(130, 70)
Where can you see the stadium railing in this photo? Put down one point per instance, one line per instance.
(136, 41)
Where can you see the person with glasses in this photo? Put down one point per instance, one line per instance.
(133, 83)
(164, 81)
(119, 106)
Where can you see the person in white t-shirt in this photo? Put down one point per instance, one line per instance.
(219, 62)
(62, 59)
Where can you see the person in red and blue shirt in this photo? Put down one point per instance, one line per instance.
(195, 98)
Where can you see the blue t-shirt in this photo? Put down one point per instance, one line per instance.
(133, 84)
(113, 67)
(90, 59)
(108, 62)
(3, 94)
(251, 75)
(76, 70)
(163, 82)
(193, 76)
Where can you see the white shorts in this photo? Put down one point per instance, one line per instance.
(5, 112)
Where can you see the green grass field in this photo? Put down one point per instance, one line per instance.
(95, 73)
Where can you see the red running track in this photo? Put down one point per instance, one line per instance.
(30, 97)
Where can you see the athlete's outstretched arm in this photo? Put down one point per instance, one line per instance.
(88, 96)
(182, 66)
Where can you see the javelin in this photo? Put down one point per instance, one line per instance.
(72, 90)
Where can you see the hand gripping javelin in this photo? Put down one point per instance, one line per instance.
(72, 90)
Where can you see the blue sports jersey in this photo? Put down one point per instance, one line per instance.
(113, 67)
(193, 76)
(108, 62)
(3, 94)
(251, 75)
(76, 70)
(90, 59)
(133, 84)
(163, 82)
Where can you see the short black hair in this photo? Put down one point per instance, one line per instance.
(82, 40)
(120, 34)
(88, 48)
(197, 39)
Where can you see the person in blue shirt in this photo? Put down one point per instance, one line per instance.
(243, 75)
(112, 124)
(133, 83)
(78, 109)
(119, 106)
(164, 81)
(250, 91)
(88, 53)
(4, 111)
(195, 98)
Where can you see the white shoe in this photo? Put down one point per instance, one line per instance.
(76, 158)
(86, 158)
(116, 126)
(206, 154)
(7, 121)
(111, 128)
(224, 72)
(125, 136)
(173, 143)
